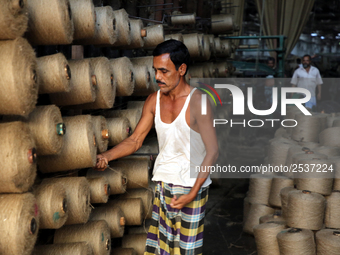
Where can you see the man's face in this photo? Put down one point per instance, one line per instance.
(166, 74)
(306, 62)
(270, 64)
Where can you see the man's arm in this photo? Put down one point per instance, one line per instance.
(319, 82)
(133, 142)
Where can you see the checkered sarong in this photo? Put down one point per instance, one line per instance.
(173, 231)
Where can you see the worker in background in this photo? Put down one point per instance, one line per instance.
(308, 77)
(187, 139)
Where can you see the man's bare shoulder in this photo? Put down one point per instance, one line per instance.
(150, 102)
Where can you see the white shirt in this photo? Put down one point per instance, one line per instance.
(309, 80)
(181, 149)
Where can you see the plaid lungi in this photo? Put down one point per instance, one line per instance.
(173, 231)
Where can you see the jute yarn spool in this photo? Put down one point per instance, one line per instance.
(284, 200)
(147, 61)
(212, 43)
(155, 36)
(328, 242)
(309, 145)
(99, 190)
(116, 178)
(52, 203)
(123, 28)
(123, 71)
(132, 114)
(218, 45)
(278, 183)
(227, 48)
(114, 217)
(256, 211)
(307, 155)
(19, 157)
(206, 49)
(141, 229)
(323, 120)
(222, 24)
(137, 34)
(101, 131)
(137, 172)
(95, 233)
(78, 198)
(193, 44)
(18, 77)
(13, 19)
(79, 148)
(265, 238)
(132, 209)
(320, 180)
(280, 132)
(119, 129)
(177, 37)
(197, 71)
(336, 164)
(54, 74)
(277, 152)
(293, 150)
(81, 248)
(183, 19)
(142, 77)
(83, 85)
(291, 112)
(305, 209)
(147, 197)
(123, 251)
(336, 122)
(295, 241)
(330, 119)
(330, 137)
(50, 22)
(222, 69)
(329, 151)
(332, 212)
(137, 242)
(308, 128)
(84, 18)
(106, 85)
(259, 188)
(19, 223)
(275, 217)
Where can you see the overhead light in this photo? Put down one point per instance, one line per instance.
(337, 37)
(314, 34)
(322, 37)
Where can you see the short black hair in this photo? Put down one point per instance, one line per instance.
(310, 58)
(271, 59)
(179, 53)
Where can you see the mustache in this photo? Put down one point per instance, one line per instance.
(158, 81)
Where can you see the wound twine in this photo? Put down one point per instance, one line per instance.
(19, 218)
(95, 233)
(206, 49)
(137, 34)
(305, 209)
(222, 69)
(296, 241)
(53, 205)
(19, 157)
(330, 119)
(284, 200)
(123, 71)
(99, 190)
(256, 211)
(84, 18)
(132, 114)
(79, 148)
(183, 19)
(142, 229)
(119, 129)
(293, 150)
(336, 164)
(124, 251)
(146, 196)
(336, 122)
(265, 238)
(281, 132)
(81, 248)
(132, 209)
(78, 198)
(178, 37)
(137, 242)
(218, 45)
(332, 212)
(329, 151)
(328, 242)
(277, 152)
(18, 84)
(123, 28)
(193, 44)
(142, 77)
(330, 137)
(227, 48)
(259, 188)
(308, 128)
(155, 36)
(222, 24)
(278, 183)
(276, 217)
(291, 112)
(307, 155)
(114, 217)
(101, 132)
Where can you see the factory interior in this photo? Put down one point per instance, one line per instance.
(76, 75)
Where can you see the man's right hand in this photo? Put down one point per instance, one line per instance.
(102, 163)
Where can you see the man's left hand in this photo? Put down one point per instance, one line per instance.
(181, 201)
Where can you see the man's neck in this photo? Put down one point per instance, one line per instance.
(179, 90)
(307, 69)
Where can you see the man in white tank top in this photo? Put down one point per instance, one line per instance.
(186, 139)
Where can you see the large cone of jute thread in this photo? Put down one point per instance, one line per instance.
(330, 151)
(155, 36)
(309, 145)
(106, 85)
(222, 69)
(119, 129)
(95, 233)
(123, 28)
(13, 19)
(320, 180)
(81, 248)
(305, 209)
(281, 132)
(275, 217)
(141, 229)
(227, 48)
(19, 218)
(132, 209)
(336, 122)
(182, 19)
(123, 251)
(123, 71)
(84, 18)
(197, 71)
(137, 34)
(330, 119)
(292, 151)
(18, 83)
(142, 77)
(101, 132)
(284, 200)
(332, 212)
(222, 24)
(78, 198)
(147, 197)
(54, 74)
(114, 217)
(83, 85)
(323, 120)
(328, 242)
(278, 183)
(99, 189)
(277, 152)
(265, 238)
(294, 241)
(132, 114)
(177, 37)
(115, 176)
(336, 164)
(137, 172)
(206, 49)
(53, 205)
(259, 188)
(50, 22)
(137, 242)
(193, 44)
(79, 148)
(308, 128)
(18, 156)
(218, 45)
(307, 155)
(256, 211)
(330, 137)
